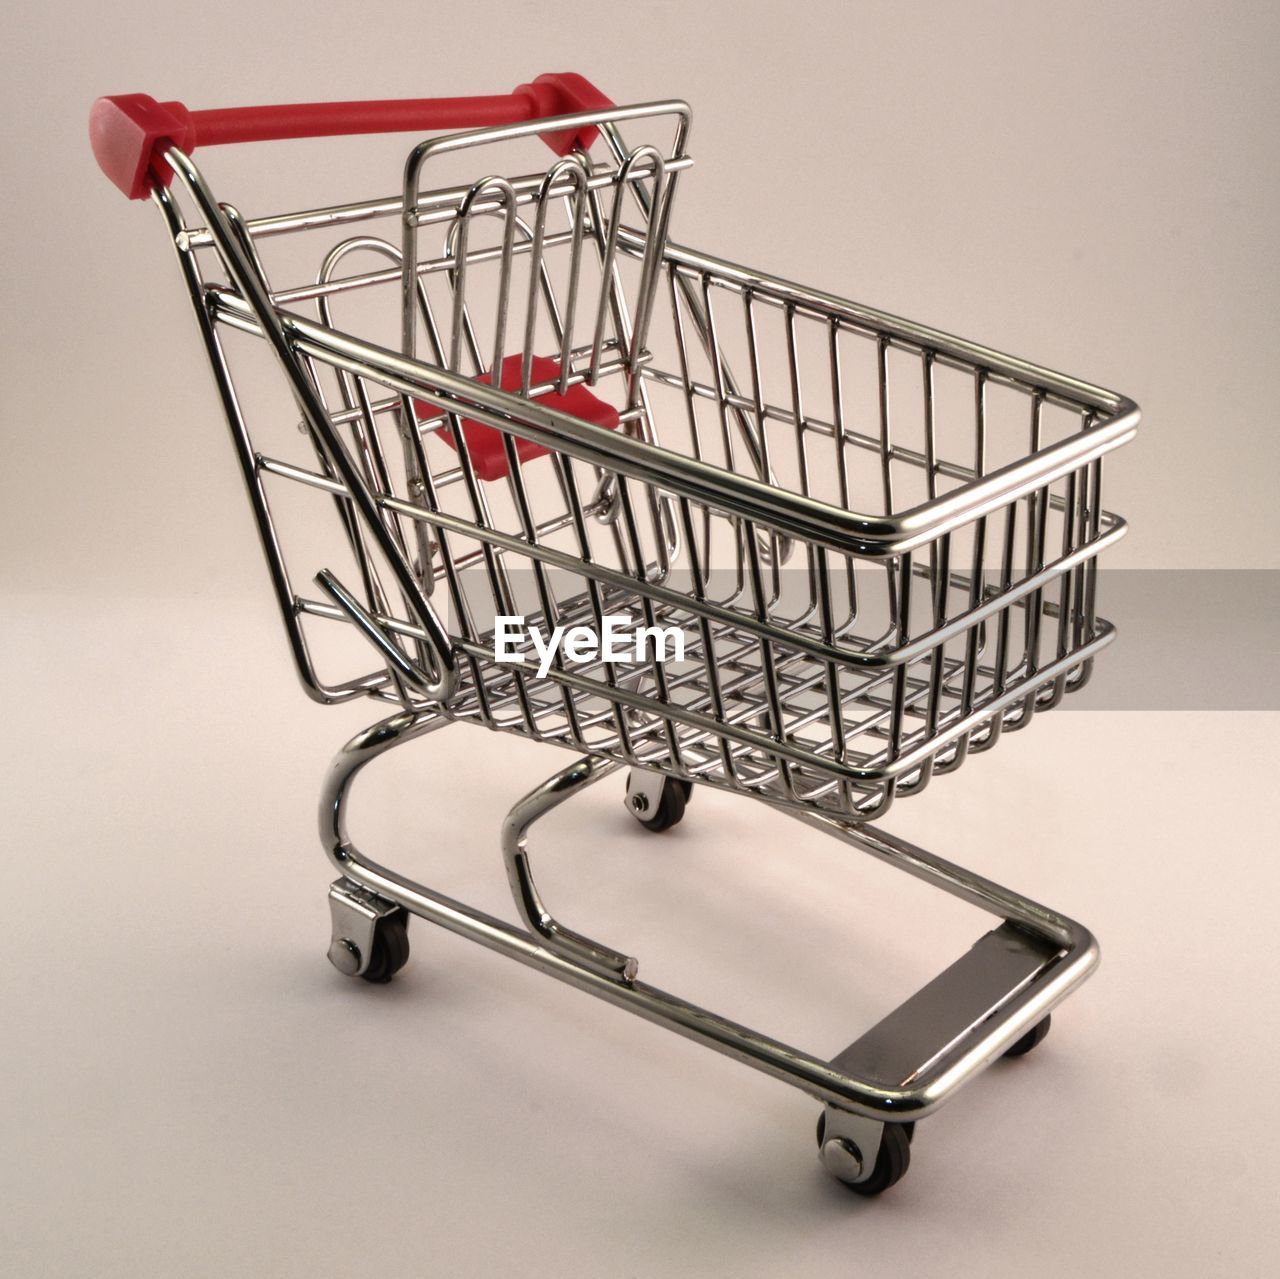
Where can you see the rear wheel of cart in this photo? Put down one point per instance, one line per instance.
(390, 950)
(1032, 1039)
(669, 808)
(892, 1159)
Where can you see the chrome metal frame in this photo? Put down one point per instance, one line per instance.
(903, 1068)
(905, 639)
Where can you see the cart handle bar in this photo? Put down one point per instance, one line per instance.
(130, 132)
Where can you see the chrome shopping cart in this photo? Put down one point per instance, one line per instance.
(851, 550)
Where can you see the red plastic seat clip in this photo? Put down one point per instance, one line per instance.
(484, 443)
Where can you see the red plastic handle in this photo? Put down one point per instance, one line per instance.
(127, 131)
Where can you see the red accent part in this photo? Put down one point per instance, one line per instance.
(125, 131)
(565, 93)
(484, 443)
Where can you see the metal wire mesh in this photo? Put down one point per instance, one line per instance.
(904, 570)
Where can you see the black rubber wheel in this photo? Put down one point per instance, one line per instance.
(1032, 1039)
(892, 1159)
(390, 948)
(675, 796)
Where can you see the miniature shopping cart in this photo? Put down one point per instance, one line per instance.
(863, 550)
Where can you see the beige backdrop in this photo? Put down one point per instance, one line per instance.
(189, 1090)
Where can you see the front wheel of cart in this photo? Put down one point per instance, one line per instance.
(388, 947)
(1032, 1039)
(843, 1162)
(657, 808)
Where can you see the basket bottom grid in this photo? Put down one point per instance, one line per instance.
(783, 725)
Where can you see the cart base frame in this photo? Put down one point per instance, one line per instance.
(899, 1071)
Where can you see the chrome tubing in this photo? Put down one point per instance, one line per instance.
(1070, 952)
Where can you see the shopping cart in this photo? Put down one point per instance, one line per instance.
(518, 400)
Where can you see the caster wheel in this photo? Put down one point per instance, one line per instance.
(892, 1159)
(670, 807)
(390, 948)
(1030, 1040)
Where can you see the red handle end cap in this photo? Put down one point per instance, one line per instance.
(125, 131)
(565, 93)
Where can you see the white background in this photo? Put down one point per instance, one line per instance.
(188, 1087)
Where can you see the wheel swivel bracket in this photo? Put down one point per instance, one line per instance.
(850, 1144)
(355, 913)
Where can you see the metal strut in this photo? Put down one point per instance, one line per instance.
(900, 1070)
(552, 793)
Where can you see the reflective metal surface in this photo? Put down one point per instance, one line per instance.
(849, 1144)
(944, 1060)
(879, 541)
(644, 791)
(354, 912)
